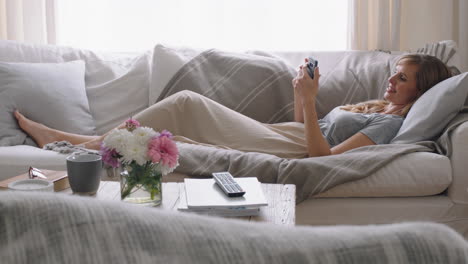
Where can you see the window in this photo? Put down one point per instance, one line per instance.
(132, 25)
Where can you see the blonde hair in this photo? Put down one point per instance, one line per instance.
(431, 71)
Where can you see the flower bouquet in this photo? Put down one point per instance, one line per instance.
(144, 156)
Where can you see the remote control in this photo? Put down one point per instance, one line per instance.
(227, 183)
(311, 65)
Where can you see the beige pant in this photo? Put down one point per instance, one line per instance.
(195, 119)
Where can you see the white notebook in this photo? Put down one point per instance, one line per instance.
(227, 212)
(205, 193)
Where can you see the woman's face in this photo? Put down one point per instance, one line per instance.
(402, 88)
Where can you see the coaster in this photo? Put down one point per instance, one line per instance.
(32, 185)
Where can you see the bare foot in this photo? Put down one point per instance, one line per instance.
(39, 132)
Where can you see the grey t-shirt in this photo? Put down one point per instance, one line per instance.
(339, 125)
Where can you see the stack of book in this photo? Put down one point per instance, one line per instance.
(205, 197)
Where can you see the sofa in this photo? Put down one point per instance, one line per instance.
(419, 186)
(71, 229)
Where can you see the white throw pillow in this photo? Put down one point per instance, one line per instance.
(167, 61)
(50, 93)
(434, 110)
(116, 83)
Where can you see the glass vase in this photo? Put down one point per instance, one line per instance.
(141, 184)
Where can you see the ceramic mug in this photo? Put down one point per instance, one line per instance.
(84, 172)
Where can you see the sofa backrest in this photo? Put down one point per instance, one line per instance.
(119, 85)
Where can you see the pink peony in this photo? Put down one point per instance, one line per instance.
(164, 150)
(131, 124)
(110, 156)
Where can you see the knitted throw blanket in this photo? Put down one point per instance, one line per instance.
(66, 147)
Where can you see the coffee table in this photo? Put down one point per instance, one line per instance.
(280, 210)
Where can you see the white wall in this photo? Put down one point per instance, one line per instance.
(463, 32)
(425, 21)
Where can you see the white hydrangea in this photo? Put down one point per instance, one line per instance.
(144, 134)
(135, 151)
(117, 139)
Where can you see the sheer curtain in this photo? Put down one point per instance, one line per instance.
(28, 20)
(374, 24)
(408, 25)
(230, 24)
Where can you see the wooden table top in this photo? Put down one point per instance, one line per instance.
(280, 210)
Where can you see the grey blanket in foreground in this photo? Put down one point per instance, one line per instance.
(58, 228)
(255, 86)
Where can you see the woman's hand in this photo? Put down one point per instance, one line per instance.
(304, 86)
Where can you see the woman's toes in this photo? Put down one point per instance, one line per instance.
(40, 133)
(17, 115)
(22, 120)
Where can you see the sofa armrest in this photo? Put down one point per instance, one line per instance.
(458, 190)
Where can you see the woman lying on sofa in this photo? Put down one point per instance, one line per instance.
(196, 119)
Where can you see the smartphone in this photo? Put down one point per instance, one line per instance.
(311, 65)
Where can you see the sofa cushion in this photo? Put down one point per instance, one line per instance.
(49, 93)
(16, 160)
(109, 77)
(414, 174)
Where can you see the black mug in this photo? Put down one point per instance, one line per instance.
(84, 172)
